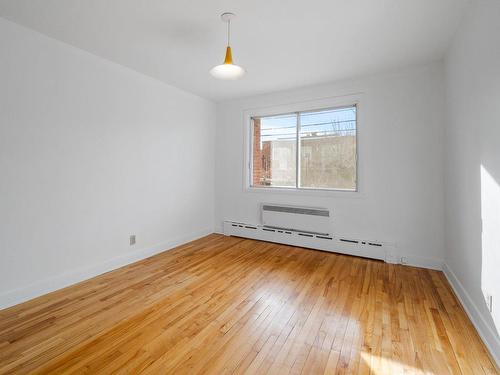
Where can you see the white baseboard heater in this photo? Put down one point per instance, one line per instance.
(302, 219)
(310, 239)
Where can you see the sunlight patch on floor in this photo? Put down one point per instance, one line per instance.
(382, 366)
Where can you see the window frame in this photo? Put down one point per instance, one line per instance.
(293, 108)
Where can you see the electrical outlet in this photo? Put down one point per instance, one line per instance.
(489, 302)
(132, 239)
(404, 260)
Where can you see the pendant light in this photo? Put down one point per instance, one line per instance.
(227, 70)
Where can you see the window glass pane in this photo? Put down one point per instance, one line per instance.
(274, 151)
(328, 149)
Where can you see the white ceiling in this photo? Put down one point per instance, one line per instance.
(282, 43)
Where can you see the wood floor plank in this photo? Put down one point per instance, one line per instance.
(226, 305)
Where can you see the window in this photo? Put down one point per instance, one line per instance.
(305, 150)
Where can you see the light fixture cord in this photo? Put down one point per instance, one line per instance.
(228, 32)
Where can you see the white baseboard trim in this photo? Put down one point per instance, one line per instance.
(489, 337)
(25, 293)
(422, 262)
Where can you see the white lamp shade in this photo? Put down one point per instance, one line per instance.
(227, 71)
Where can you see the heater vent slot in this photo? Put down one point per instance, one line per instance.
(350, 241)
(305, 235)
(324, 237)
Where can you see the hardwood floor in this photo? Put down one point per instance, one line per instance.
(229, 305)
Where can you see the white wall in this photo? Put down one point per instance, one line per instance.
(473, 166)
(91, 152)
(401, 159)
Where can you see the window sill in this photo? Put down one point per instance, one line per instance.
(306, 192)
